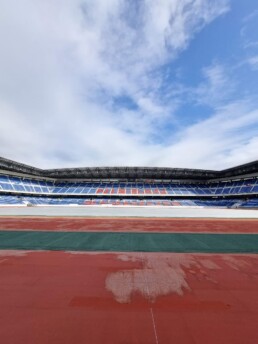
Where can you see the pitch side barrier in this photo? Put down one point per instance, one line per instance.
(124, 196)
(160, 198)
(133, 196)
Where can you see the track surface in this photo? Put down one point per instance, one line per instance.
(76, 296)
(129, 225)
(61, 297)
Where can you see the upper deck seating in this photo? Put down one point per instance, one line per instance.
(12, 184)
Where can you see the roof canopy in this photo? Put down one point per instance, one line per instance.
(128, 172)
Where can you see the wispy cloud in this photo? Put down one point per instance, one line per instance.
(209, 91)
(229, 137)
(249, 35)
(253, 62)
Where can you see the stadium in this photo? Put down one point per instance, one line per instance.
(129, 172)
(236, 187)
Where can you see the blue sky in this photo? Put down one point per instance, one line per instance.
(129, 83)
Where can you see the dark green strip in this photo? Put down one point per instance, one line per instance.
(129, 242)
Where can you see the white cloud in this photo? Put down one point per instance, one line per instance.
(64, 64)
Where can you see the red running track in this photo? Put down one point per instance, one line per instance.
(64, 298)
(61, 297)
(130, 225)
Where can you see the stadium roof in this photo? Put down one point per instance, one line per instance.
(127, 172)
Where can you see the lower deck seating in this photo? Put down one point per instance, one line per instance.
(18, 200)
(251, 203)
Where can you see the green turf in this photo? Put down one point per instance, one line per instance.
(129, 242)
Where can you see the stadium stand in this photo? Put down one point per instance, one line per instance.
(235, 187)
(19, 185)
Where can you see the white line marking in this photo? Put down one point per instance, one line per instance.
(151, 310)
(154, 326)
